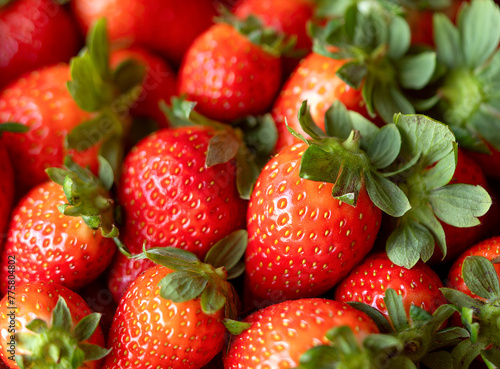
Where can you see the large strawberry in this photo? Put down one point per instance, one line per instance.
(233, 69)
(46, 326)
(34, 33)
(281, 333)
(49, 239)
(165, 26)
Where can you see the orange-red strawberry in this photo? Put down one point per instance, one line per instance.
(34, 34)
(369, 281)
(230, 75)
(6, 190)
(48, 325)
(281, 333)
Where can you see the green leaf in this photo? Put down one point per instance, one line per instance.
(13, 127)
(61, 316)
(236, 271)
(479, 31)
(212, 300)
(319, 357)
(415, 71)
(447, 39)
(419, 314)
(247, 174)
(481, 277)
(222, 147)
(235, 327)
(368, 93)
(386, 195)
(76, 359)
(260, 136)
(388, 101)
(106, 175)
(57, 175)
(380, 320)
(425, 216)
(487, 125)
(441, 173)
(181, 286)
(460, 205)
(93, 352)
(172, 257)
(97, 40)
(382, 344)
(228, 251)
(450, 336)
(352, 73)
(492, 355)
(81, 85)
(37, 326)
(129, 75)
(396, 310)
(464, 354)
(86, 327)
(307, 123)
(399, 38)
(408, 243)
(460, 299)
(89, 133)
(385, 146)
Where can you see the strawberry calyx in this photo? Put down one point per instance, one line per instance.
(107, 93)
(13, 127)
(480, 317)
(60, 345)
(467, 97)
(88, 196)
(207, 280)
(374, 39)
(250, 141)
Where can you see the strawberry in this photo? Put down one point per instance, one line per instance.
(34, 34)
(367, 283)
(232, 69)
(165, 26)
(159, 82)
(49, 326)
(280, 333)
(489, 249)
(51, 241)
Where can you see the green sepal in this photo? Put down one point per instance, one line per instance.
(13, 127)
(389, 100)
(228, 251)
(212, 299)
(236, 327)
(353, 73)
(385, 147)
(222, 147)
(486, 122)
(461, 300)
(380, 320)
(37, 326)
(416, 71)
(319, 357)
(449, 337)
(395, 309)
(481, 277)
(464, 354)
(93, 352)
(491, 357)
(61, 318)
(399, 38)
(87, 326)
(128, 77)
(447, 39)
(182, 285)
(172, 257)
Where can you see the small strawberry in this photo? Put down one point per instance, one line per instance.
(34, 34)
(368, 282)
(233, 69)
(281, 333)
(51, 241)
(490, 249)
(46, 326)
(165, 26)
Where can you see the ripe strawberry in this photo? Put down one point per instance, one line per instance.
(229, 74)
(165, 26)
(369, 281)
(159, 82)
(6, 190)
(49, 325)
(170, 197)
(51, 241)
(34, 34)
(281, 333)
(489, 249)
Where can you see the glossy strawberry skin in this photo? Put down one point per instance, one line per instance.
(229, 76)
(50, 246)
(368, 282)
(314, 80)
(165, 26)
(34, 34)
(281, 333)
(302, 241)
(149, 331)
(170, 198)
(6, 190)
(37, 300)
(489, 249)
(160, 82)
(490, 163)
(41, 101)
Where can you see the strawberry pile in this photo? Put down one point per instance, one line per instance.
(257, 184)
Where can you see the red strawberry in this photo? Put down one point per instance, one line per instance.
(369, 281)
(55, 247)
(159, 83)
(166, 26)
(228, 75)
(170, 197)
(45, 323)
(34, 33)
(6, 189)
(281, 333)
(489, 249)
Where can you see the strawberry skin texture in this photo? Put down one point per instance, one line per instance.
(314, 80)
(160, 82)
(151, 332)
(34, 33)
(229, 76)
(281, 333)
(368, 282)
(6, 189)
(490, 163)
(37, 300)
(489, 249)
(165, 26)
(170, 198)
(50, 246)
(302, 241)
(41, 101)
